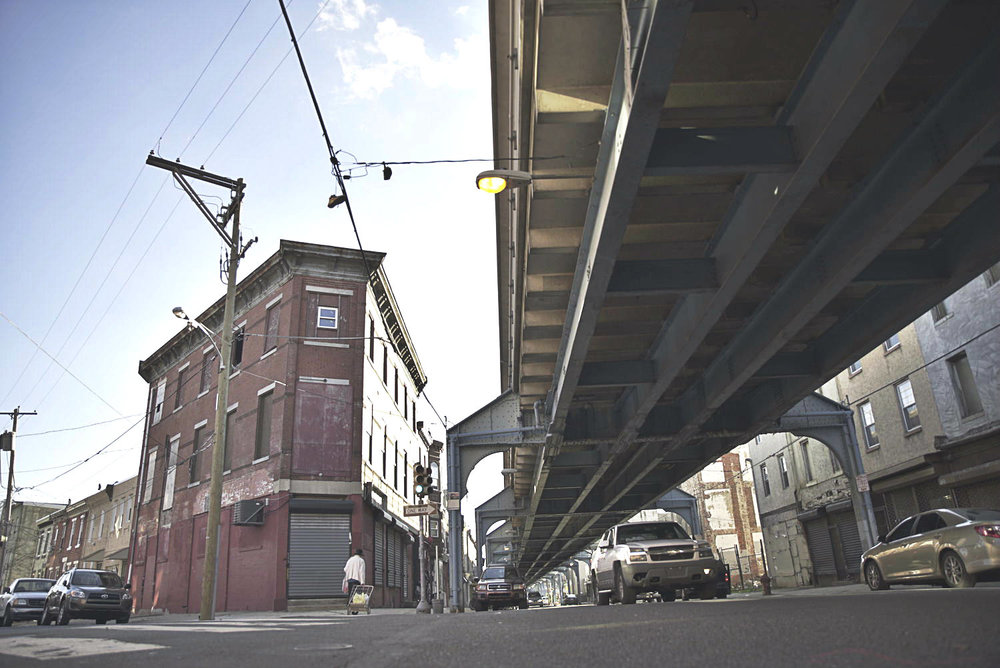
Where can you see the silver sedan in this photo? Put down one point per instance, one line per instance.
(954, 547)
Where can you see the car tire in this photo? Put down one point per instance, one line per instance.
(8, 617)
(706, 592)
(62, 617)
(955, 574)
(523, 605)
(124, 620)
(100, 620)
(44, 619)
(668, 595)
(874, 578)
(624, 593)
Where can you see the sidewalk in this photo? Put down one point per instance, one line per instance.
(337, 609)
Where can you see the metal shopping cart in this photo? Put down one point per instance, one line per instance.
(359, 600)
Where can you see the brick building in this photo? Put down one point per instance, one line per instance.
(321, 439)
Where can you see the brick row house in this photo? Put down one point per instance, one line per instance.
(91, 533)
(322, 435)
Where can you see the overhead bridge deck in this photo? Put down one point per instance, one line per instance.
(731, 201)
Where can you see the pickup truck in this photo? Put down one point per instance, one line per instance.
(651, 557)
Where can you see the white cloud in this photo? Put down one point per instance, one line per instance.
(462, 11)
(345, 15)
(398, 51)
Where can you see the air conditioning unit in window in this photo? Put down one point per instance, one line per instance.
(249, 512)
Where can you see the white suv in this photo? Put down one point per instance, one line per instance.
(657, 557)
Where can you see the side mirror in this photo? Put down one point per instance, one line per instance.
(6, 590)
(881, 538)
(475, 580)
(128, 586)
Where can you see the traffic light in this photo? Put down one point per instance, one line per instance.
(421, 480)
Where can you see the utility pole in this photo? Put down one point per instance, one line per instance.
(236, 252)
(423, 606)
(7, 443)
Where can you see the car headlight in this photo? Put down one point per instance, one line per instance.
(519, 587)
(705, 552)
(126, 596)
(637, 555)
(480, 587)
(77, 593)
(20, 601)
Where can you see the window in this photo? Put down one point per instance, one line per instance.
(171, 477)
(834, 462)
(964, 382)
(236, 354)
(199, 444)
(940, 311)
(385, 447)
(385, 365)
(929, 522)
(72, 528)
(100, 528)
(764, 480)
(406, 469)
(395, 386)
(854, 368)
(161, 388)
(992, 275)
(371, 445)
(756, 439)
(406, 403)
(208, 363)
(371, 339)
(180, 388)
(271, 324)
(327, 318)
(806, 464)
(148, 486)
(395, 465)
(262, 446)
(908, 405)
(783, 470)
(891, 343)
(868, 422)
(902, 530)
(227, 449)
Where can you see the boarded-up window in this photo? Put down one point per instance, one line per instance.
(322, 437)
(271, 337)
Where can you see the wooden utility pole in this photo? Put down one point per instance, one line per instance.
(7, 443)
(236, 252)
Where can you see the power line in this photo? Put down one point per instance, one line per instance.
(85, 426)
(47, 354)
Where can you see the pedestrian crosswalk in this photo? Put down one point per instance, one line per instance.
(48, 648)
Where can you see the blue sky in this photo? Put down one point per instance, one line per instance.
(98, 248)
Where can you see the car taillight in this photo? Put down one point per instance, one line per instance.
(989, 531)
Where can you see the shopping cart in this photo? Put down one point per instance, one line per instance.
(359, 600)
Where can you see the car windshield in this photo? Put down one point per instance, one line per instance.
(499, 573)
(659, 531)
(96, 579)
(978, 514)
(26, 586)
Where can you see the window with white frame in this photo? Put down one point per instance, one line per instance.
(171, 477)
(764, 480)
(868, 422)
(908, 405)
(939, 311)
(854, 368)
(783, 470)
(161, 390)
(148, 485)
(969, 401)
(327, 317)
(891, 343)
(806, 462)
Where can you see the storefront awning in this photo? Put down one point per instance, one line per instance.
(96, 555)
(118, 555)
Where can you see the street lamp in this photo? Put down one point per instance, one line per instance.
(497, 180)
(179, 312)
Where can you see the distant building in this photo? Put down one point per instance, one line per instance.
(926, 407)
(22, 539)
(321, 440)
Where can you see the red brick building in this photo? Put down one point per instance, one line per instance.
(322, 437)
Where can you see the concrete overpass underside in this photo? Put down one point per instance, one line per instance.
(732, 201)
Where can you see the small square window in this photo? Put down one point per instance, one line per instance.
(940, 311)
(327, 318)
(891, 343)
(854, 368)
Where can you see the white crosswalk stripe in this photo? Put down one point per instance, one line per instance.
(48, 648)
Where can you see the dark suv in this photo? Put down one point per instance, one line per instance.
(500, 587)
(87, 594)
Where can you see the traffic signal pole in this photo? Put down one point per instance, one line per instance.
(424, 606)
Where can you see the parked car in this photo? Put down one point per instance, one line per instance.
(723, 587)
(645, 557)
(535, 599)
(501, 586)
(23, 599)
(571, 599)
(82, 593)
(949, 546)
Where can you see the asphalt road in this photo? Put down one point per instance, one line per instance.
(901, 627)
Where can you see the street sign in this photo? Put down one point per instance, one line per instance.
(862, 483)
(420, 509)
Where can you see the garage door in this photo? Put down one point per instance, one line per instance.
(820, 547)
(318, 547)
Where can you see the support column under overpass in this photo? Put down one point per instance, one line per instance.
(832, 424)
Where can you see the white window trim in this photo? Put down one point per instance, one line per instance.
(260, 459)
(324, 381)
(329, 291)
(335, 317)
(269, 353)
(268, 388)
(273, 302)
(183, 367)
(326, 344)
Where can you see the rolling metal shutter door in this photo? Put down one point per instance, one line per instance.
(820, 547)
(379, 554)
(393, 559)
(850, 542)
(318, 548)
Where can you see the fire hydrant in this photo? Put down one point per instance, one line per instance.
(765, 582)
